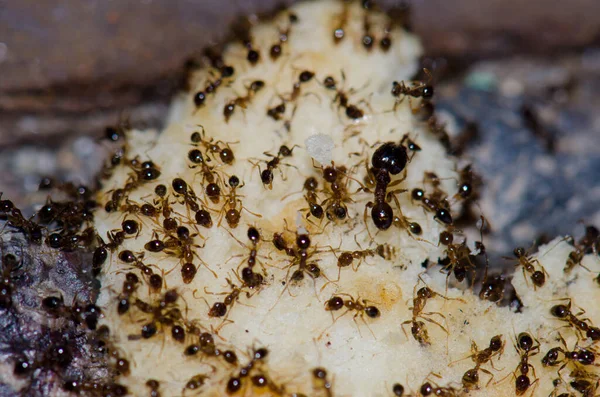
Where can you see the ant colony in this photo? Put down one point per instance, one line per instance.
(234, 263)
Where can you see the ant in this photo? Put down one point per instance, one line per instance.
(415, 90)
(584, 382)
(153, 385)
(249, 278)
(346, 258)
(418, 330)
(466, 183)
(220, 309)
(182, 246)
(212, 189)
(538, 277)
(130, 286)
(431, 388)
(163, 312)
(234, 384)
(458, 257)
(266, 175)
(564, 313)
(470, 378)
(389, 159)
(89, 314)
(338, 32)
(242, 102)
(232, 214)
(440, 207)
(341, 98)
(15, 218)
(211, 87)
(586, 245)
(321, 382)
(304, 77)
(526, 348)
(578, 355)
(276, 112)
(359, 305)
(314, 208)
(335, 207)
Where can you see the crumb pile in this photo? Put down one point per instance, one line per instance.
(291, 232)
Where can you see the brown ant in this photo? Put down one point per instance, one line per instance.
(15, 219)
(526, 348)
(359, 305)
(415, 90)
(242, 101)
(538, 277)
(586, 245)
(183, 247)
(440, 207)
(225, 153)
(212, 189)
(250, 278)
(338, 32)
(163, 312)
(458, 257)
(470, 378)
(220, 309)
(88, 314)
(232, 214)
(130, 286)
(320, 381)
(266, 175)
(314, 208)
(304, 77)
(420, 298)
(153, 385)
(335, 207)
(579, 355)
(211, 86)
(341, 98)
(564, 313)
(430, 388)
(276, 112)
(235, 383)
(347, 258)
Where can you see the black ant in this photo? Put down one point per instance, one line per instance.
(420, 298)
(564, 313)
(266, 175)
(233, 214)
(359, 305)
(538, 277)
(341, 98)
(389, 159)
(470, 378)
(212, 189)
(242, 101)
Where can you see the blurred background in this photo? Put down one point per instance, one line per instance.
(520, 80)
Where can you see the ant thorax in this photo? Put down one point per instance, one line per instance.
(330, 266)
